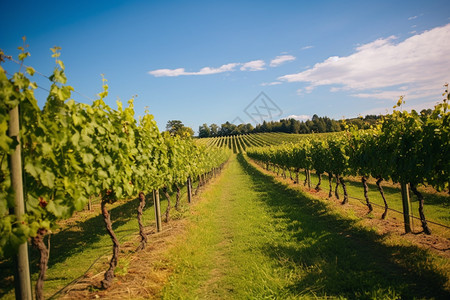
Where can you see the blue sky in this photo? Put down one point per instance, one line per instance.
(206, 61)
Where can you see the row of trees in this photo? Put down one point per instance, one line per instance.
(408, 148)
(316, 124)
(72, 151)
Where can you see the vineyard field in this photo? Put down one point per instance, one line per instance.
(240, 143)
(97, 202)
(260, 237)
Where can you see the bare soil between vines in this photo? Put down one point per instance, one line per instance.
(146, 273)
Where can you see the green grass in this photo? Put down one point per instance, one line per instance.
(436, 207)
(75, 247)
(253, 238)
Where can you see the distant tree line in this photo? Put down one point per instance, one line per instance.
(316, 124)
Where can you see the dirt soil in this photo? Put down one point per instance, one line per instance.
(146, 273)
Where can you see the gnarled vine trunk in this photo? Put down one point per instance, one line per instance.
(198, 185)
(178, 196)
(344, 187)
(169, 205)
(380, 188)
(38, 242)
(141, 225)
(308, 172)
(317, 188)
(419, 196)
(109, 274)
(366, 193)
(336, 191)
(330, 181)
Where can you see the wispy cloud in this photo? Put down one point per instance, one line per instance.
(307, 47)
(412, 18)
(203, 71)
(419, 62)
(254, 65)
(281, 59)
(271, 83)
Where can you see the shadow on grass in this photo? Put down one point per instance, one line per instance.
(389, 191)
(341, 259)
(393, 192)
(75, 239)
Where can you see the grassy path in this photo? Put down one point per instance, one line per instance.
(252, 238)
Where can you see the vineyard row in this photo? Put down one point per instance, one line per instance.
(68, 152)
(408, 148)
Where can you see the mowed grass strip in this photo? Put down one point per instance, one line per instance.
(436, 207)
(252, 238)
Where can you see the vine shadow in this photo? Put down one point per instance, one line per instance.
(339, 258)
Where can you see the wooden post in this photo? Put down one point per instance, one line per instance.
(157, 210)
(406, 205)
(22, 279)
(189, 189)
(90, 203)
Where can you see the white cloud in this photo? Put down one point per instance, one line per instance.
(255, 65)
(203, 71)
(419, 62)
(306, 90)
(307, 47)
(281, 59)
(221, 69)
(336, 89)
(168, 72)
(375, 44)
(309, 89)
(271, 83)
(412, 18)
(299, 117)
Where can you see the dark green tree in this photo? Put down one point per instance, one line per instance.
(176, 127)
(204, 131)
(214, 129)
